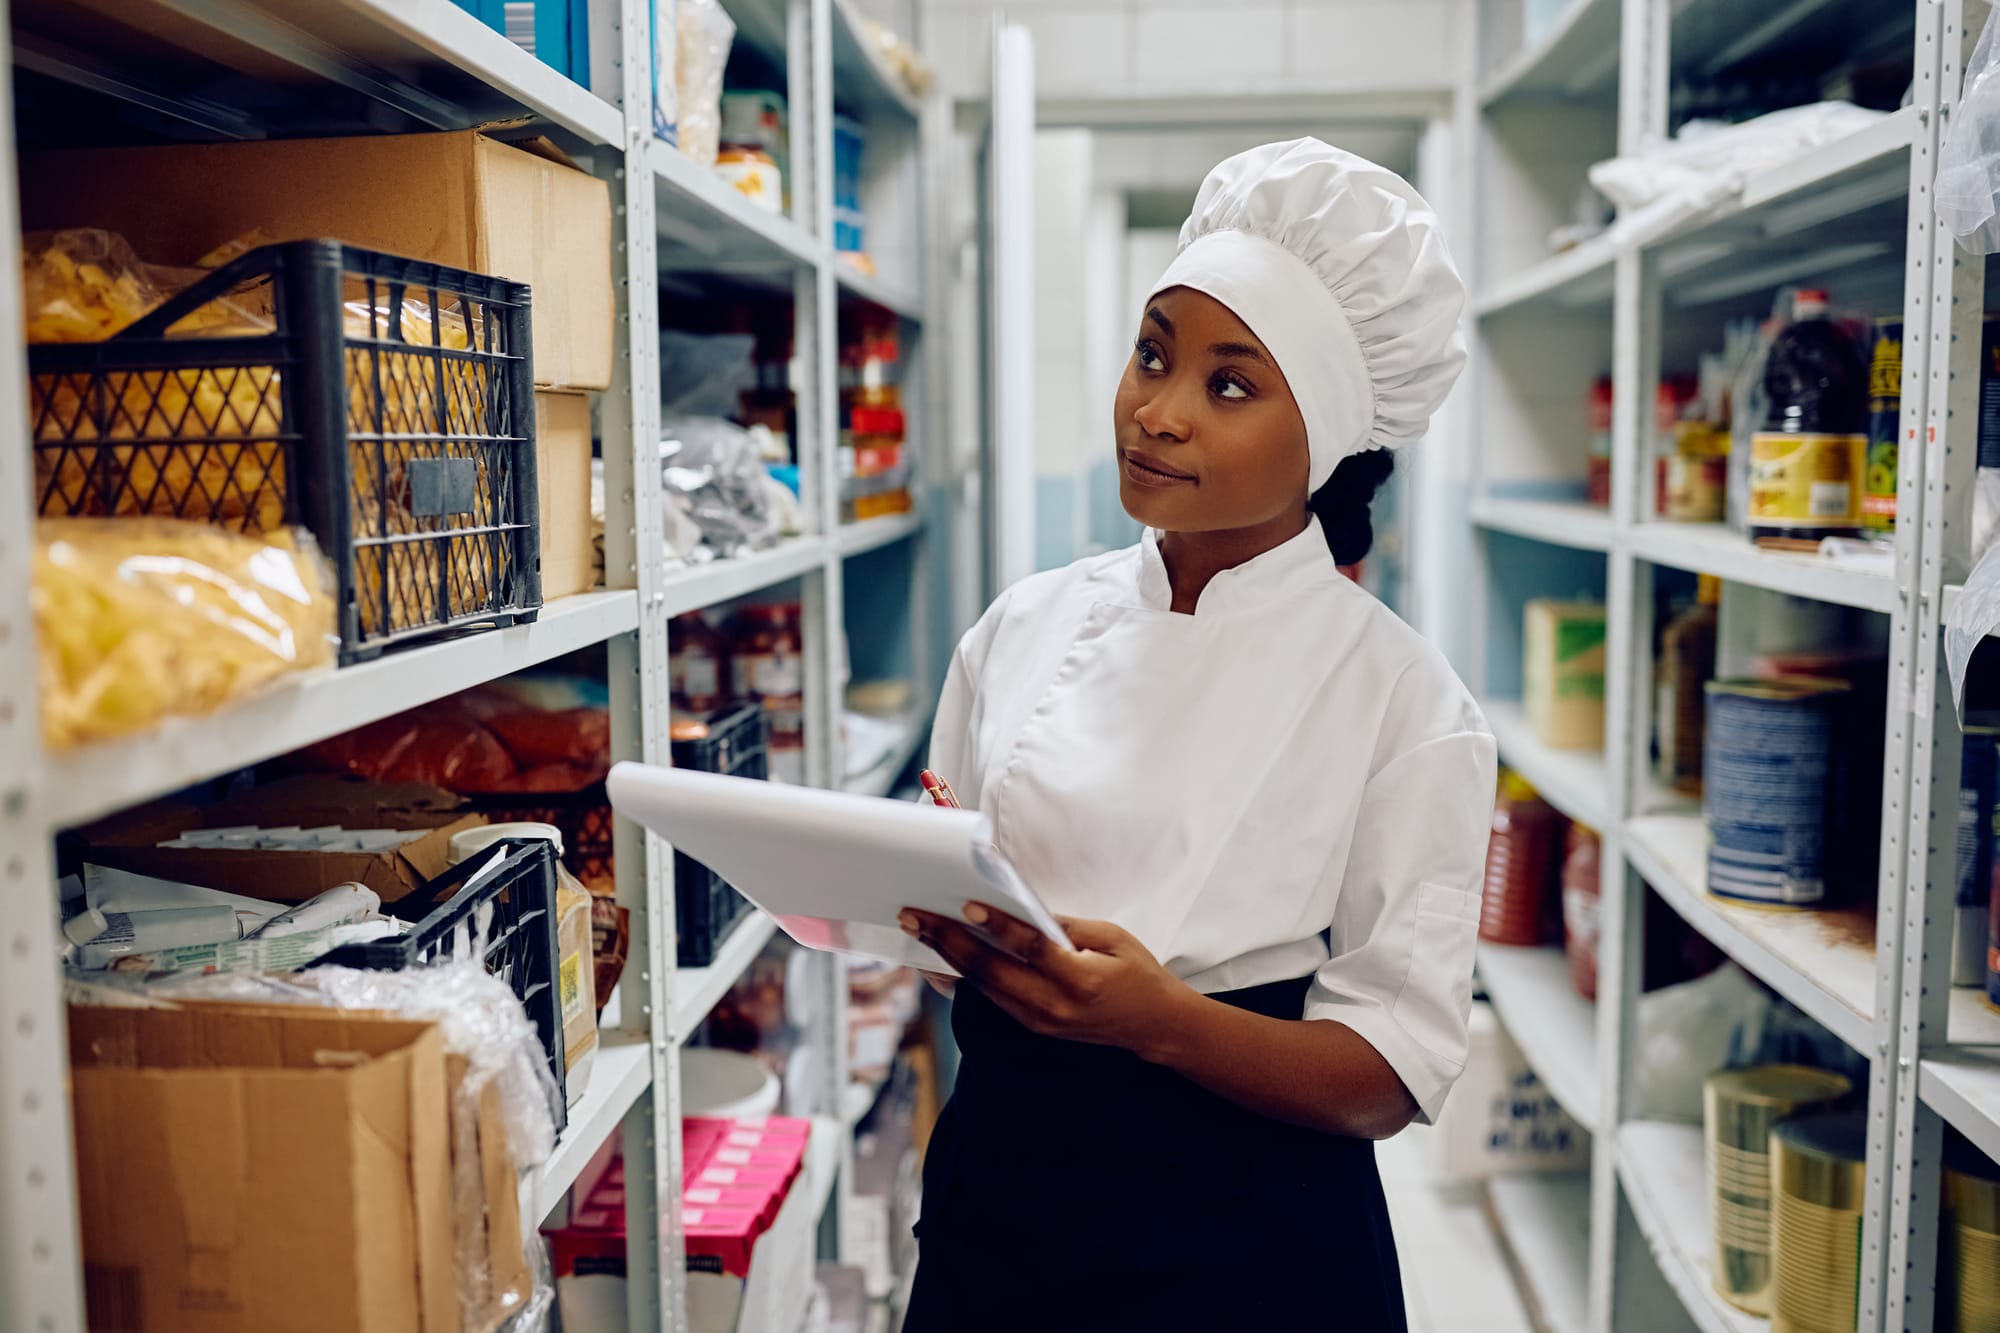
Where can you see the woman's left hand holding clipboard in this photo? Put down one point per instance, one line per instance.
(1110, 991)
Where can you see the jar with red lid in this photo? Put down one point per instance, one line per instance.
(697, 665)
(1520, 904)
(1581, 899)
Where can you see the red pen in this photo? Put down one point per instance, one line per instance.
(938, 790)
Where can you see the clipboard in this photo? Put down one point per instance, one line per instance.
(832, 869)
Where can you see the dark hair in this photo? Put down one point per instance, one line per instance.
(1342, 504)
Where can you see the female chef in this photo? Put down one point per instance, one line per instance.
(1258, 800)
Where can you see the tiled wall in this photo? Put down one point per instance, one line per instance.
(1152, 48)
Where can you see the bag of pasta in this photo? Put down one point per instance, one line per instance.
(99, 435)
(139, 619)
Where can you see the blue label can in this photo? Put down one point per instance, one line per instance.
(1768, 779)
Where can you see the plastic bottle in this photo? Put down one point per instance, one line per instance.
(1807, 463)
(698, 665)
(1519, 905)
(1687, 662)
(1582, 894)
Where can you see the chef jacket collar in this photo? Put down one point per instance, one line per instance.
(1303, 560)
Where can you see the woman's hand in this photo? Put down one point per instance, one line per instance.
(1110, 992)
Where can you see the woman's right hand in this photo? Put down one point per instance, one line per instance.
(942, 984)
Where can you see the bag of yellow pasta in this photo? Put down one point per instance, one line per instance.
(117, 431)
(139, 619)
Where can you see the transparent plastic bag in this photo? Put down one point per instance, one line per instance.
(704, 375)
(506, 1075)
(85, 284)
(714, 472)
(141, 618)
(706, 34)
(1966, 193)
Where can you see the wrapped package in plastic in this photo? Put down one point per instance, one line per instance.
(501, 1100)
(1707, 164)
(908, 64)
(705, 374)
(139, 619)
(707, 33)
(488, 739)
(85, 285)
(1966, 193)
(1690, 1030)
(713, 470)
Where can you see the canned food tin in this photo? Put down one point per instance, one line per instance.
(1767, 787)
(1969, 1276)
(1817, 1179)
(1740, 1107)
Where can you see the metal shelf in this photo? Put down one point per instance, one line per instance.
(1573, 523)
(1576, 782)
(697, 990)
(872, 287)
(867, 535)
(1712, 548)
(1666, 1181)
(693, 587)
(1961, 1082)
(1555, 1027)
(621, 1073)
(1545, 1219)
(862, 79)
(1575, 280)
(94, 780)
(710, 227)
(881, 779)
(1576, 58)
(256, 67)
(1823, 962)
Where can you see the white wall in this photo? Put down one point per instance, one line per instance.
(1150, 48)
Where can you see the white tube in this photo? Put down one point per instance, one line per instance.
(141, 932)
(339, 905)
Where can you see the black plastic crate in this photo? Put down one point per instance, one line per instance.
(705, 906)
(411, 459)
(510, 912)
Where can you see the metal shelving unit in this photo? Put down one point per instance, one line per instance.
(1854, 213)
(410, 65)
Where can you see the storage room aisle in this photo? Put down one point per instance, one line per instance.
(427, 405)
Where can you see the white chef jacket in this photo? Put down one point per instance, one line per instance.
(1289, 781)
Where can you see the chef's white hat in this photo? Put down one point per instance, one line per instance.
(1339, 268)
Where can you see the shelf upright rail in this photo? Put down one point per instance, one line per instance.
(1940, 427)
(828, 620)
(40, 1250)
(1635, 339)
(637, 663)
(1911, 856)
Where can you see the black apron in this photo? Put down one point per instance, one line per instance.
(1076, 1187)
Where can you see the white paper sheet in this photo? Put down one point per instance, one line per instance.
(832, 869)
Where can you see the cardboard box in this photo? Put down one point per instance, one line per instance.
(562, 463)
(256, 1169)
(1564, 673)
(1500, 1118)
(518, 211)
(130, 841)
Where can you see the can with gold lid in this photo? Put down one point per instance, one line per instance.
(1969, 1276)
(1740, 1108)
(1818, 1175)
